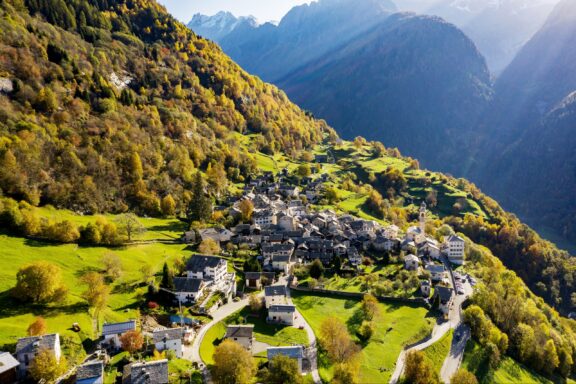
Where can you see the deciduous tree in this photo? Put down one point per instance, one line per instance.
(209, 247)
(283, 370)
(369, 306)
(40, 282)
(132, 341)
(462, 376)
(336, 340)
(233, 364)
(45, 367)
(419, 370)
(38, 327)
(97, 292)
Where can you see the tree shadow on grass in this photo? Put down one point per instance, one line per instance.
(11, 307)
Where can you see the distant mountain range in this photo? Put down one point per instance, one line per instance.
(306, 33)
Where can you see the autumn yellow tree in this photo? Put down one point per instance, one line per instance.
(209, 247)
(336, 340)
(233, 364)
(45, 367)
(246, 208)
(38, 327)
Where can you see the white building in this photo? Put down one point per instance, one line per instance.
(391, 231)
(188, 290)
(169, 340)
(28, 347)
(411, 262)
(264, 217)
(283, 314)
(454, 247)
(241, 334)
(111, 333)
(207, 268)
(437, 272)
(445, 298)
(275, 295)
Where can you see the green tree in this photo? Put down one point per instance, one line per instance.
(168, 206)
(200, 207)
(551, 360)
(136, 170)
(40, 282)
(167, 278)
(112, 265)
(316, 269)
(369, 306)
(366, 330)
(303, 170)
(96, 293)
(129, 225)
(462, 376)
(283, 370)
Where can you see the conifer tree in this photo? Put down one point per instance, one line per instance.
(200, 207)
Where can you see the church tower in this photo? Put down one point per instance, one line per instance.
(422, 217)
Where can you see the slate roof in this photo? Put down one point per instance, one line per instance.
(239, 331)
(292, 352)
(116, 328)
(282, 308)
(281, 259)
(253, 275)
(7, 362)
(30, 344)
(184, 284)
(198, 263)
(444, 293)
(90, 370)
(455, 238)
(433, 268)
(153, 372)
(275, 290)
(167, 334)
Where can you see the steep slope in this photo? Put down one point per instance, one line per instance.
(414, 82)
(498, 28)
(528, 159)
(111, 105)
(304, 34)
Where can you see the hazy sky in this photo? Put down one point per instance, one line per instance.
(264, 10)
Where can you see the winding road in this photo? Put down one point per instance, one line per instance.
(192, 353)
(461, 335)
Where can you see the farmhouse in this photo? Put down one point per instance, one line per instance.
(28, 347)
(169, 340)
(111, 332)
(242, 334)
(411, 262)
(283, 314)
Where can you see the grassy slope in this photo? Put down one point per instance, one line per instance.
(438, 351)
(510, 371)
(275, 335)
(74, 260)
(383, 349)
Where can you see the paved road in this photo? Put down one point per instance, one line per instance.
(454, 358)
(440, 329)
(193, 353)
(313, 351)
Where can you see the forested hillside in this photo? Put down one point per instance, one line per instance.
(112, 105)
